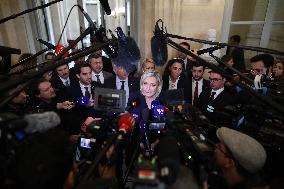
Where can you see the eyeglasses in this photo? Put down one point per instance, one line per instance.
(214, 79)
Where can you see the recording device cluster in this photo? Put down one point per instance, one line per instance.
(122, 146)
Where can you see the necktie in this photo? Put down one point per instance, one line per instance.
(87, 93)
(67, 84)
(212, 95)
(98, 78)
(122, 85)
(195, 96)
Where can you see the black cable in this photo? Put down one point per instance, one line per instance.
(65, 24)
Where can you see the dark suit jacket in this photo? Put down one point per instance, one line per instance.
(133, 84)
(188, 89)
(106, 76)
(218, 104)
(182, 84)
(60, 88)
(107, 65)
(78, 114)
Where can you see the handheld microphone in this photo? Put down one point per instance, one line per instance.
(154, 104)
(209, 50)
(86, 123)
(47, 44)
(126, 123)
(41, 122)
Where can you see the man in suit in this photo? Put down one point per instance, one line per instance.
(187, 62)
(98, 75)
(212, 102)
(122, 81)
(61, 80)
(196, 84)
(81, 88)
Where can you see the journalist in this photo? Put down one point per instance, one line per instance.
(240, 159)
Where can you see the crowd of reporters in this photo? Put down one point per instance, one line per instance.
(46, 160)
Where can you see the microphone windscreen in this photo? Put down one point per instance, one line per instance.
(41, 122)
(128, 55)
(159, 50)
(86, 123)
(59, 48)
(126, 122)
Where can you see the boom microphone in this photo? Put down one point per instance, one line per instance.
(159, 47)
(41, 122)
(105, 6)
(209, 50)
(47, 44)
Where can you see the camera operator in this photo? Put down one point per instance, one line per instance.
(240, 159)
(18, 104)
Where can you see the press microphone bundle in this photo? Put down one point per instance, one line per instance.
(127, 53)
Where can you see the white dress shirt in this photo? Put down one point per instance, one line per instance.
(83, 89)
(217, 92)
(126, 88)
(64, 81)
(101, 76)
(172, 85)
(200, 84)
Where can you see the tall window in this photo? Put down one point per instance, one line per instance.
(258, 22)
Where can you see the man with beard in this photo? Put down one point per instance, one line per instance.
(61, 80)
(45, 98)
(198, 84)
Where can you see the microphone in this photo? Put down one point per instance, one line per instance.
(58, 49)
(87, 122)
(209, 50)
(154, 103)
(133, 104)
(126, 123)
(121, 35)
(47, 44)
(41, 122)
(159, 46)
(105, 6)
(127, 54)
